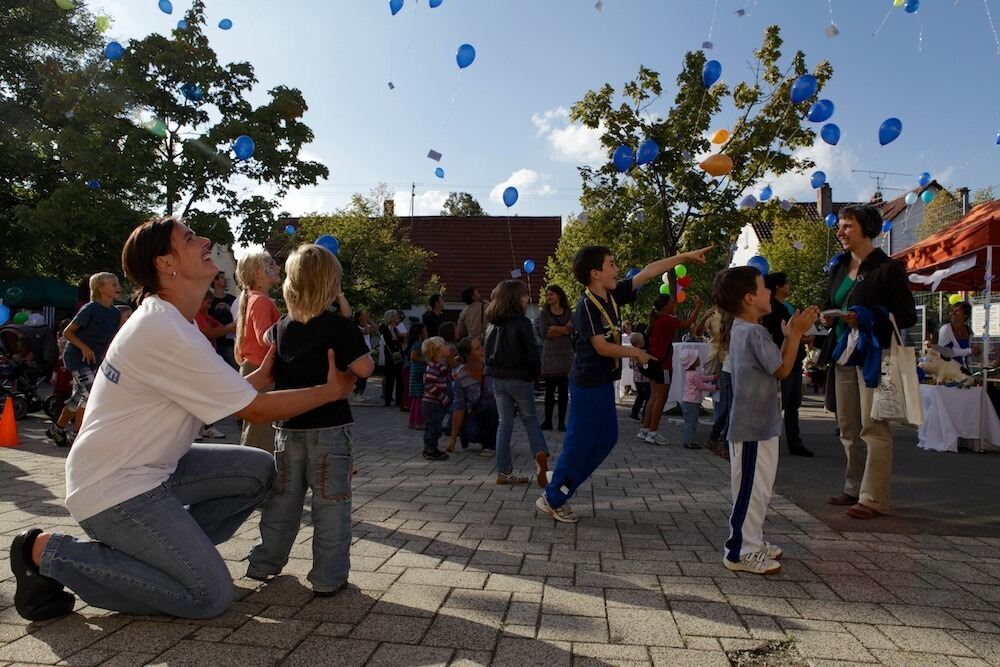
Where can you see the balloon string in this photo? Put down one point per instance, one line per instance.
(451, 107)
(879, 29)
(711, 26)
(920, 37)
(829, 4)
(989, 17)
(510, 237)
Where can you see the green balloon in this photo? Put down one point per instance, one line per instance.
(66, 4)
(664, 288)
(102, 23)
(680, 270)
(21, 317)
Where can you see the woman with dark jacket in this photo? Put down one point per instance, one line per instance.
(864, 281)
(513, 361)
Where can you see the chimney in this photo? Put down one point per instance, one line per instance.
(389, 208)
(963, 196)
(877, 199)
(824, 201)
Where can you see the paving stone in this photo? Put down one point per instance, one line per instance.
(625, 597)
(515, 652)
(707, 618)
(899, 658)
(678, 657)
(393, 655)
(646, 627)
(870, 636)
(471, 659)
(388, 628)
(573, 628)
(925, 617)
(61, 638)
(576, 601)
(150, 636)
(462, 598)
(925, 640)
(832, 645)
(411, 600)
(842, 611)
(475, 630)
(198, 654)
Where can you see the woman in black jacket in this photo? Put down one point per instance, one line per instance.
(864, 276)
(513, 361)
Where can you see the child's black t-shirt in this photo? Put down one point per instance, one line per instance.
(301, 361)
(589, 368)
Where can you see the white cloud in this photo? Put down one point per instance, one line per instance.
(527, 182)
(570, 142)
(425, 203)
(837, 162)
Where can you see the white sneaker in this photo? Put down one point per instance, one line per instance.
(212, 432)
(642, 434)
(563, 514)
(655, 438)
(773, 551)
(756, 563)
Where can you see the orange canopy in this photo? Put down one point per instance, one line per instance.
(970, 236)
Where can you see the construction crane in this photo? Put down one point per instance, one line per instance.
(878, 177)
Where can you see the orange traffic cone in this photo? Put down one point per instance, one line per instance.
(8, 426)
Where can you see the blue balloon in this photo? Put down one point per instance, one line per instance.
(820, 111)
(329, 242)
(244, 147)
(114, 51)
(289, 229)
(818, 179)
(225, 24)
(632, 273)
(529, 266)
(465, 55)
(886, 226)
(760, 263)
(924, 179)
(435, 3)
(804, 87)
(192, 92)
(4, 314)
(830, 133)
(911, 6)
(648, 151)
(395, 6)
(182, 25)
(623, 157)
(889, 130)
(998, 138)
(830, 220)
(439, 172)
(166, 6)
(711, 72)
(510, 196)
(94, 184)
(766, 193)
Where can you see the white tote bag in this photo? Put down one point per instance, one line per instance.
(897, 396)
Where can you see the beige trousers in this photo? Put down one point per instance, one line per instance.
(260, 436)
(867, 442)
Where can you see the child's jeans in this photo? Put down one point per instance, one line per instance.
(691, 413)
(433, 417)
(318, 459)
(641, 397)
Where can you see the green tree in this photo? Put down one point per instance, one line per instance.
(382, 269)
(800, 248)
(983, 195)
(462, 204)
(670, 204)
(944, 210)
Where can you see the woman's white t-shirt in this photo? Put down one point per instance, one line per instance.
(159, 382)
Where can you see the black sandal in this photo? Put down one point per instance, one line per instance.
(37, 598)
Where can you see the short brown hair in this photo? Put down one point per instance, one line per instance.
(148, 241)
(506, 301)
(589, 258)
(731, 285)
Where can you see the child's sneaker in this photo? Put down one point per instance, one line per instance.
(773, 551)
(436, 455)
(756, 563)
(511, 478)
(642, 434)
(563, 514)
(655, 438)
(58, 436)
(692, 445)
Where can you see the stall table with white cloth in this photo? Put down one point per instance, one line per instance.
(676, 391)
(951, 413)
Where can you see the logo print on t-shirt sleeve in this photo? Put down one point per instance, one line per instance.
(110, 372)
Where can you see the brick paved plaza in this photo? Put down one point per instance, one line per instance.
(450, 569)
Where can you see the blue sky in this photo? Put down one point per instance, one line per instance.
(502, 120)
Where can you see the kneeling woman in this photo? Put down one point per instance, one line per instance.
(153, 504)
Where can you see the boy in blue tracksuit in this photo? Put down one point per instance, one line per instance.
(592, 426)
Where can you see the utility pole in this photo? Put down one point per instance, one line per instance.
(413, 196)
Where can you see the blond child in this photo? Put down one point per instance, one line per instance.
(435, 398)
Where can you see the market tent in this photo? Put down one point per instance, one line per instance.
(38, 293)
(971, 239)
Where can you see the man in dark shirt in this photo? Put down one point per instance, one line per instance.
(791, 386)
(434, 318)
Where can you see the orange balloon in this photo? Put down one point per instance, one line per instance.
(720, 136)
(718, 165)
(681, 296)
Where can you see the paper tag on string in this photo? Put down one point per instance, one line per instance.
(392, 86)
(832, 30)
(434, 155)
(516, 273)
(599, 5)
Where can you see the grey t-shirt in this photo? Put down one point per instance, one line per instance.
(756, 410)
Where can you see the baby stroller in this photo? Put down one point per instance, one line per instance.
(27, 356)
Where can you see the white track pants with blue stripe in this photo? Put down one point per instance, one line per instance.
(753, 466)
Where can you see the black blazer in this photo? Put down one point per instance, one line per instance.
(881, 281)
(511, 351)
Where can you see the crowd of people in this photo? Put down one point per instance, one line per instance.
(154, 510)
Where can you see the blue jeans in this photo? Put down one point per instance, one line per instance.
(434, 414)
(155, 553)
(521, 393)
(691, 413)
(320, 460)
(720, 429)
